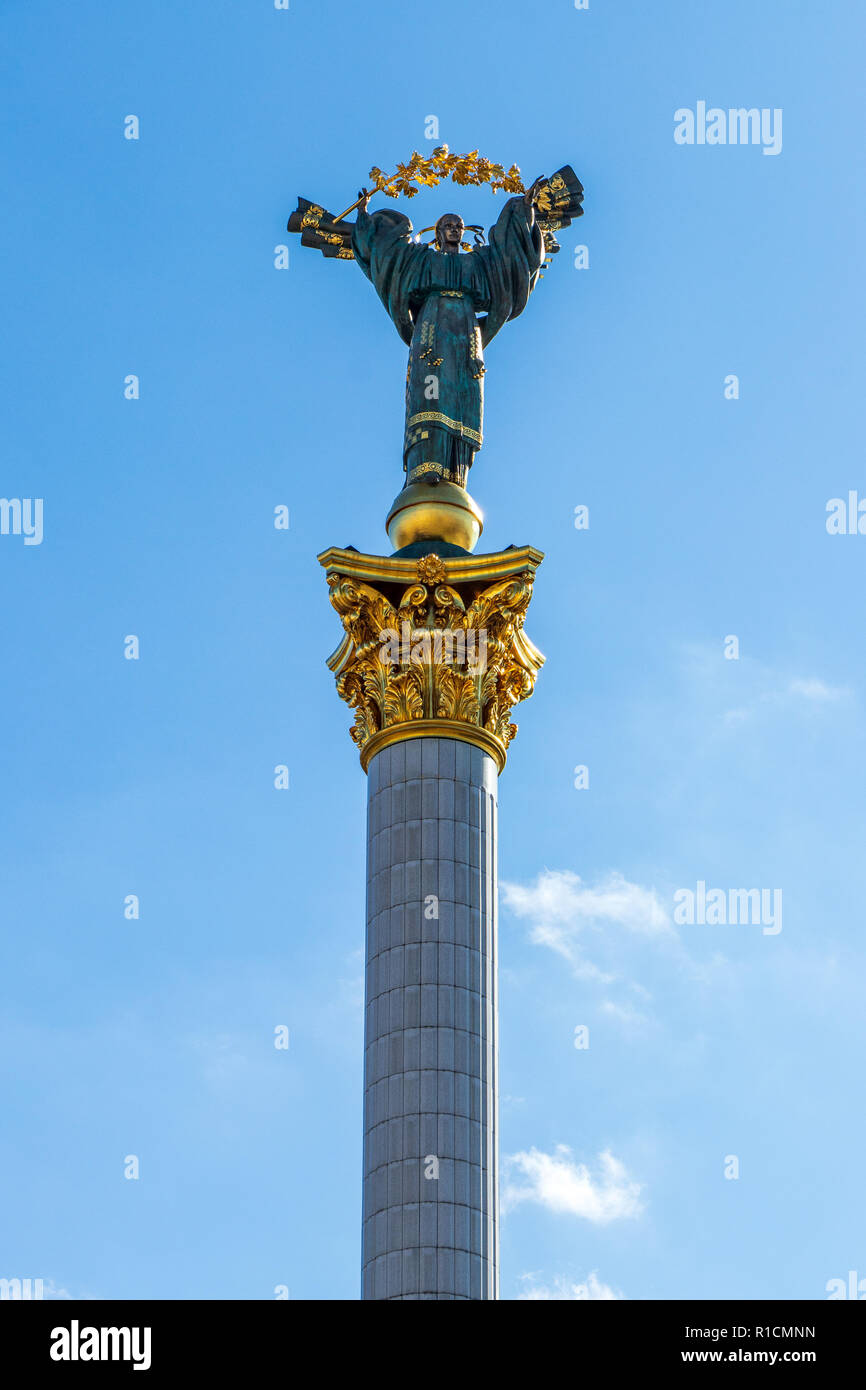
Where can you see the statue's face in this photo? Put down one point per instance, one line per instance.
(450, 231)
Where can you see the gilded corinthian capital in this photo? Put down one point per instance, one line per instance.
(433, 646)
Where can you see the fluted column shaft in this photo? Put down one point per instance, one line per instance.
(431, 1032)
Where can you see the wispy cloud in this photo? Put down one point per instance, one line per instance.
(50, 1290)
(626, 1014)
(592, 1289)
(814, 689)
(712, 697)
(560, 1184)
(561, 908)
(797, 693)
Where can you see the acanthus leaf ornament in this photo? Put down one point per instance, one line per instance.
(443, 653)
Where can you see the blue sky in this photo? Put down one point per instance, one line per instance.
(261, 387)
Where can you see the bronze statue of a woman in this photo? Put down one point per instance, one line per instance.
(447, 307)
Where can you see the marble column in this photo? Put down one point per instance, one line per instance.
(433, 660)
(430, 1093)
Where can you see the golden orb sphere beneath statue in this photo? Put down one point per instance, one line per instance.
(444, 512)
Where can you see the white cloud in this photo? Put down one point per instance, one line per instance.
(706, 704)
(591, 1290)
(561, 896)
(814, 689)
(50, 1290)
(561, 1185)
(771, 694)
(560, 907)
(625, 1014)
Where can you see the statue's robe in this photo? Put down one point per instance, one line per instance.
(433, 298)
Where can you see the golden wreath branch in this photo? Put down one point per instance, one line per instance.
(471, 168)
(418, 172)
